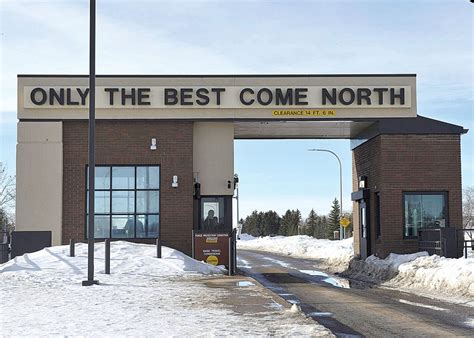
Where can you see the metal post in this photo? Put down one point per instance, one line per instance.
(107, 256)
(234, 238)
(90, 248)
(158, 247)
(192, 245)
(230, 255)
(72, 248)
(341, 228)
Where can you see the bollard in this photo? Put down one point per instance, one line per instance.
(107, 256)
(72, 247)
(234, 239)
(158, 247)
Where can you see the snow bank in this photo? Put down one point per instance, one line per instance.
(333, 255)
(126, 258)
(435, 276)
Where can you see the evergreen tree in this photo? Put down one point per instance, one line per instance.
(321, 230)
(333, 218)
(311, 223)
(290, 222)
(271, 223)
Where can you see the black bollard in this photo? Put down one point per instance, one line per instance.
(158, 247)
(107, 256)
(72, 248)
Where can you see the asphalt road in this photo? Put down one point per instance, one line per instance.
(351, 308)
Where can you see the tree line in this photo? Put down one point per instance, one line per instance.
(269, 223)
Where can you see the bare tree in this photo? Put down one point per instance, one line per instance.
(7, 198)
(468, 207)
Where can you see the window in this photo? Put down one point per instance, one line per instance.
(212, 213)
(423, 210)
(127, 202)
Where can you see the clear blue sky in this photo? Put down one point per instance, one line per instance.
(430, 38)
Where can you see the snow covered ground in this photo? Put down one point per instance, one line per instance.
(333, 255)
(432, 276)
(41, 294)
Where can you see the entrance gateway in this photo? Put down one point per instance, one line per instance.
(165, 153)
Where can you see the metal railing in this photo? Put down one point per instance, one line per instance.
(467, 236)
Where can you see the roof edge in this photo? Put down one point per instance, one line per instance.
(211, 75)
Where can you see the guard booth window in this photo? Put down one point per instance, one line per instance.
(127, 202)
(423, 210)
(212, 214)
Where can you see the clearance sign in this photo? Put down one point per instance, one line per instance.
(307, 99)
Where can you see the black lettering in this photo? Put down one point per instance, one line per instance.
(203, 95)
(285, 99)
(218, 92)
(364, 94)
(269, 95)
(83, 95)
(53, 94)
(380, 92)
(300, 95)
(126, 96)
(400, 96)
(171, 96)
(186, 93)
(142, 94)
(351, 96)
(242, 99)
(111, 92)
(69, 100)
(43, 99)
(327, 96)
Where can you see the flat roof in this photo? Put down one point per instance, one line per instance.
(214, 75)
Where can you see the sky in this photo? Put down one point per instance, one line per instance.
(432, 39)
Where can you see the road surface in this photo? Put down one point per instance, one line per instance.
(350, 308)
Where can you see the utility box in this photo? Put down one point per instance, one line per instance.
(29, 241)
(439, 241)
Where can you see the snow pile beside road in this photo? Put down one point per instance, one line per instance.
(333, 255)
(429, 275)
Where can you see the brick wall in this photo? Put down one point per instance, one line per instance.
(397, 163)
(128, 142)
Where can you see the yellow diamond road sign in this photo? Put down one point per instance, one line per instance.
(344, 222)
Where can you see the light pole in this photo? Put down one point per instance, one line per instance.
(90, 247)
(341, 229)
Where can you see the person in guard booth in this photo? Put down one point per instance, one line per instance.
(211, 222)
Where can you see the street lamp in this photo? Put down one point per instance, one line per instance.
(341, 229)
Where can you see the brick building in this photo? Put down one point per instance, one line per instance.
(164, 153)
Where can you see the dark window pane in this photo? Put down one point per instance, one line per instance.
(123, 202)
(148, 177)
(147, 226)
(123, 177)
(101, 226)
(148, 202)
(123, 226)
(102, 202)
(424, 211)
(212, 217)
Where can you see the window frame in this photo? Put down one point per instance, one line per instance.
(444, 193)
(134, 190)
